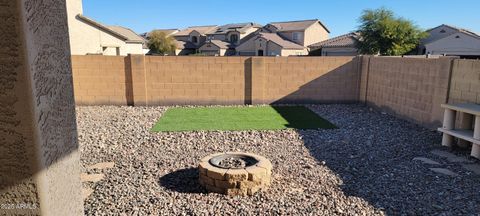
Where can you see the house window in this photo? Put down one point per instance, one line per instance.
(233, 38)
(296, 36)
(442, 31)
(194, 39)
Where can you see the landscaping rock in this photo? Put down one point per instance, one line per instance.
(475, 168)
(426, 160)
(363, 168)
(91, 177)
(450, 156)
(444, 171)
(104, 165)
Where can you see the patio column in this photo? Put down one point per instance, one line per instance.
(476, 135)
(449, 124)
(466, 121)
(39, 158)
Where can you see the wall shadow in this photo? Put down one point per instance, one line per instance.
(248, 81)
(377, 165)
(300, 117)
(128, 81)
(182, 181)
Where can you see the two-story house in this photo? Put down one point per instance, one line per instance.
(284, 38)
(225, 38)
(190, 39)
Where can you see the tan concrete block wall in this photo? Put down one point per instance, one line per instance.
(195, 80)
(311, 80)
(100, 80)
(409, 87)
(465, 83)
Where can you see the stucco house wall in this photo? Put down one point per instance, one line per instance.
(246, 48)
(211, 50)
(87, 39)
(289, 35)
(294, 52)
(314, 34)
(455, 44)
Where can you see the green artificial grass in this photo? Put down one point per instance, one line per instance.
(240, 118)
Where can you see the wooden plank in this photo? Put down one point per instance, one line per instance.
(462, 134)
(473, 109)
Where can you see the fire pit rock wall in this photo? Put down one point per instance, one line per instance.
(255, 175)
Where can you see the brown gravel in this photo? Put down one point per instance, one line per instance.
(363, 168)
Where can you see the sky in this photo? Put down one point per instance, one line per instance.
(340, 16)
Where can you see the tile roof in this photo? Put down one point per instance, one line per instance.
(298, 25)
(127, 33)
(101, 26)
(241, 27)
(275, 38)
(346, 40)
(200, 29)
(221, 44)
(185, 45)
(166, 31)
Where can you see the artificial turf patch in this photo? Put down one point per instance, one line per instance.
(240, 118)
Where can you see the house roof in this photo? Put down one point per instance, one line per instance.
(240, 27)
(457, 29)
(185, 45)
(101, 26)
(200, 29)
(166, 31)
(346, 40)
(298, 25)
(127, 33)
(221, 44)
(275, 38)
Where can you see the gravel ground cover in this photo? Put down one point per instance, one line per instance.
(365, 167)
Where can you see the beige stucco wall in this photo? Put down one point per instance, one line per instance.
(294, 52)
(314, 34)
(88, 39)
(247, 46)
(211, 49)
(221, 37)
(464, 45)
(289, 35)
(39, 158)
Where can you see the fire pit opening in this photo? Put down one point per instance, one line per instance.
(235, 173)
(233, 161)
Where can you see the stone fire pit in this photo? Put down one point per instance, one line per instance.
(235, 173)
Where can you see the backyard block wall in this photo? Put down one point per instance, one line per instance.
(195, 80)
(411, 88)
(170, 80)
(465, 82)
(101, 80)
(310, 80)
